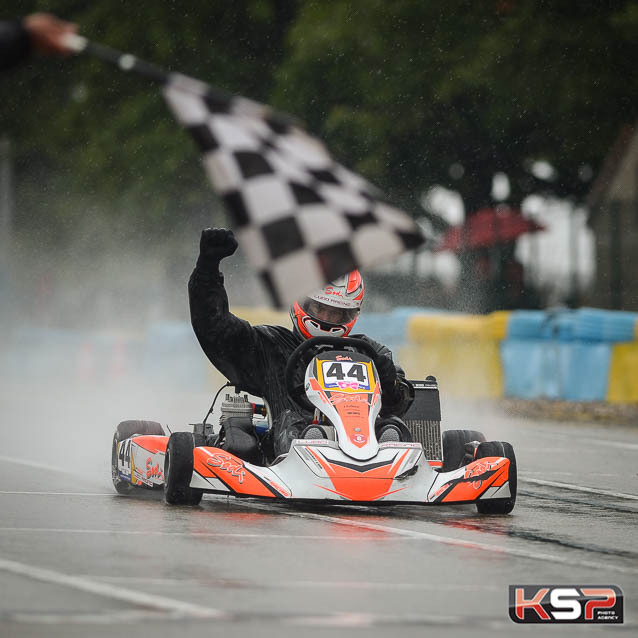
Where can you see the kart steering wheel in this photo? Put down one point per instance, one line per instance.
(304, 353)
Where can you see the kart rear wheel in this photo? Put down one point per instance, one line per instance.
(499, 505)
(125, 430)
(454, 450)
(178, 471)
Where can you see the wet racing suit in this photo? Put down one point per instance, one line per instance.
(254, 357)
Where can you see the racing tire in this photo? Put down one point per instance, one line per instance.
(499, 505)
(454, 447)
(178, 471)
(125, 430)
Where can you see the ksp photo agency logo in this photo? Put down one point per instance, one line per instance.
(601, 604)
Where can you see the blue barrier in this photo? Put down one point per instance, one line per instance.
(535, 368)
(587, 371)
(585, 324)
(604, 325)
(563, 354)
(528, 324)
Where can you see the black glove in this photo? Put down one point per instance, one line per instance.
(387, 371)
(214, 245)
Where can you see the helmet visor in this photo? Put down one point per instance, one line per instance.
(328, 314)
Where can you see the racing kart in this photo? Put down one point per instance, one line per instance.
(346, 464)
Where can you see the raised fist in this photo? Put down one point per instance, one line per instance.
(215, 244)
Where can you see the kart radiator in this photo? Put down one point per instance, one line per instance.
(424, 417)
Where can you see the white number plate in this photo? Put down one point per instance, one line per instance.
(346, 376)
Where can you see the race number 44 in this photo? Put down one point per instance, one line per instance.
(125, 453)
(345, 375)
(566, 604)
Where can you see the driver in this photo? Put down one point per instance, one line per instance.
(254, 357)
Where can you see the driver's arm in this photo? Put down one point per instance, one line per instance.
(397, 394)
(232, 344)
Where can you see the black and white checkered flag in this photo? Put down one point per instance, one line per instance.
(302, 218)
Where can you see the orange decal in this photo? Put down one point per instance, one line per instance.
(354, 416)
(152, 443)
(377, 392)
(314, 384)
(361, 486)
(468, 490)
(229, 469)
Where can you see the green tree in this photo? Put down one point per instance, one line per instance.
(405, 90)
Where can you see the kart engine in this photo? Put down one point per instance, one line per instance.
(236, 405)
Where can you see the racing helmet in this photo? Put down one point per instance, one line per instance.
(331, 311)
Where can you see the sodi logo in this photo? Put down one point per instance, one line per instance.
(538, 604)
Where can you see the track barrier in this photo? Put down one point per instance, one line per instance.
(576, 355)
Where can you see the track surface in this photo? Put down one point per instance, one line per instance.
(78, 560)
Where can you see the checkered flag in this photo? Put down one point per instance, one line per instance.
(302, 218)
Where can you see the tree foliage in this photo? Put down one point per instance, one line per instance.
(405, 90)
(401, 91)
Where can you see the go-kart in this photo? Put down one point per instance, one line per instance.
(348, 464)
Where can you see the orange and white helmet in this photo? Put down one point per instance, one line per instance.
(331, 311)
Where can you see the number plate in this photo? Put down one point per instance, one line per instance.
(346, 376)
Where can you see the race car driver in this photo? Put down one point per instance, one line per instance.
(254, 357)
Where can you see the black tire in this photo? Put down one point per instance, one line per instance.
(125, 430)
(454, 442)
(499, 505)
(178, 471)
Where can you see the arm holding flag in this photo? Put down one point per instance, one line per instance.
(41, 32)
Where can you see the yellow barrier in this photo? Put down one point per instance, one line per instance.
(461, 351)
(623, 374)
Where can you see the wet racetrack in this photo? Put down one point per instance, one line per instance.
(78, 560)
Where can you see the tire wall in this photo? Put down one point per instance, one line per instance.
(571, 355)
(579, 355)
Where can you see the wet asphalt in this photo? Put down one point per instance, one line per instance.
(78, 560)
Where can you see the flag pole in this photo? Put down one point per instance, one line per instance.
(124, 61)
(132, 64)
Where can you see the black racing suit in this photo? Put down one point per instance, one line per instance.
(254, 357)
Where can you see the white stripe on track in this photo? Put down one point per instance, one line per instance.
(111, 494)
(105, 590)
(295, 584)
(124, 532)
(455, 542)
(580, 488)
(95, 618)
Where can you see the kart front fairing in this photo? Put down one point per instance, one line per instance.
(319, 470)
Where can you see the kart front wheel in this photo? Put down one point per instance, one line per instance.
(499, 505)
(125, 430)
(178, 471)
(454, 447)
